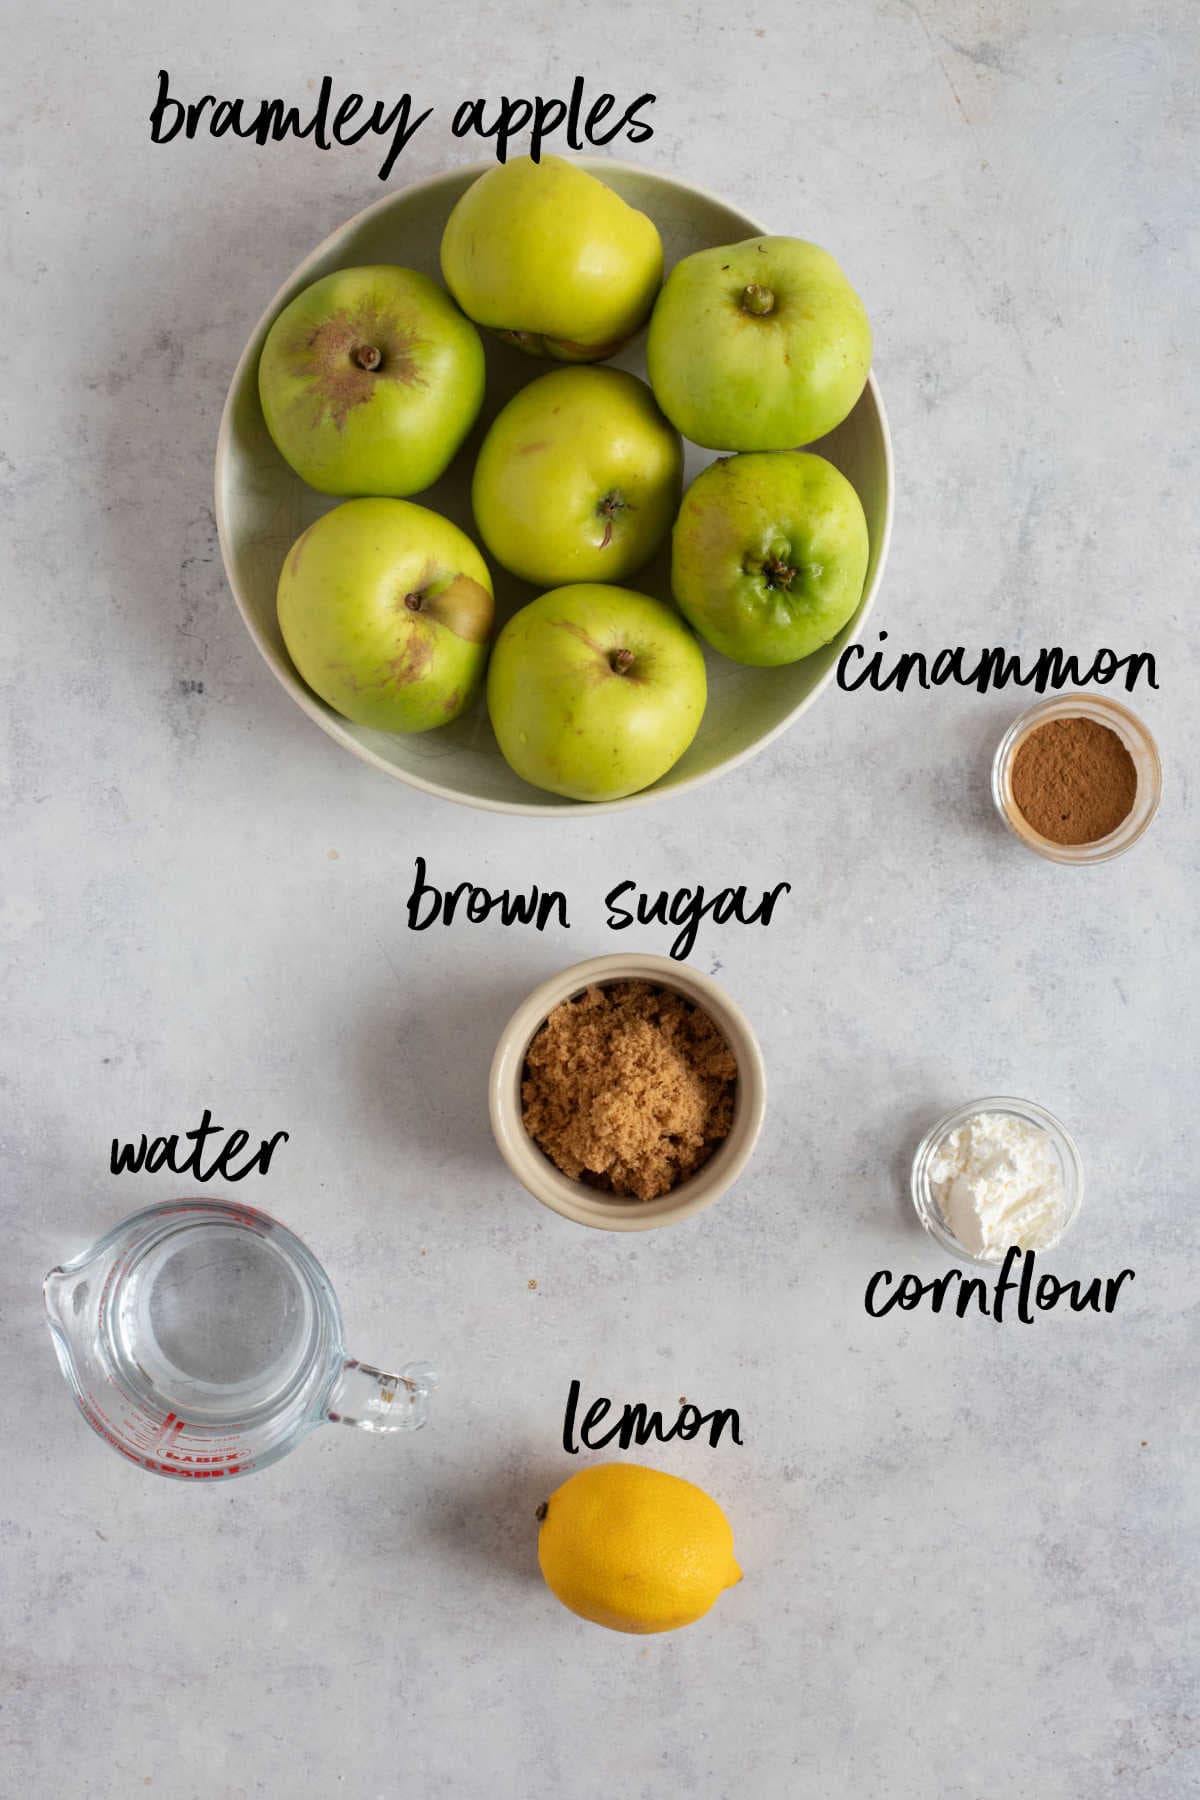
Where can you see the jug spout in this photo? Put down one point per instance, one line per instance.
(65, 1294)
(56, 1292)
(374, 1401)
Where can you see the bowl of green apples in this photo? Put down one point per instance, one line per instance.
(555, 487)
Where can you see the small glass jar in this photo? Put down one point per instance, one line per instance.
(1136, 739)
(1062, 1143)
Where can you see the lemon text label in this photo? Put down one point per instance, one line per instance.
(638, 1425)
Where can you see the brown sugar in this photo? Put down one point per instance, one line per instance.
(1074, 780)
(629, 1088)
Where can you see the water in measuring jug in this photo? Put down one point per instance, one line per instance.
(215, 1322)
(203, 1339)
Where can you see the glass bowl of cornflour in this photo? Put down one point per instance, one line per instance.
(995, 1174)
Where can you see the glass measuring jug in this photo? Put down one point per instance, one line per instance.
(204, 1340)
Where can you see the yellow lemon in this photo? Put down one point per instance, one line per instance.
(634, 1549)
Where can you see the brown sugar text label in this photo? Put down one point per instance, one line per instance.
(625, 904)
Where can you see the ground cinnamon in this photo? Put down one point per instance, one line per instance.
(1074, 780)
(628, 1088)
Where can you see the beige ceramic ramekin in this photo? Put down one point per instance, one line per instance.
(591, 1206)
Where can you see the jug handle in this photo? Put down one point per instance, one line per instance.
(374, 1401)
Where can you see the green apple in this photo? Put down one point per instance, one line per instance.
(386, 610)
(552, 259)
(595, 691)
(578, 478)
(758, 346)
(370, 380)
(769, 555)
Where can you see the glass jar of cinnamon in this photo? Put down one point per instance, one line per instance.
(1077, 778)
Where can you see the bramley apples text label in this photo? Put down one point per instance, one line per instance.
(686, 908)
(572, 123)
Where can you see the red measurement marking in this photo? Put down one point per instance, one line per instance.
(173, 1461)
(163, 1468)
(170, 1427)
(174, 1455)
(226, 1211)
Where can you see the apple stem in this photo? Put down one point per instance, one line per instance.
(413, 601)
(612, 504)
(757, 299)
(621, 661)
(367, 356)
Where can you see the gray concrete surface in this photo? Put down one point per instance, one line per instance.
(968, 1549)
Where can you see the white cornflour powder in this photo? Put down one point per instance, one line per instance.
(998, 1182)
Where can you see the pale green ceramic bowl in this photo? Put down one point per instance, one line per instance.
(262, 507)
